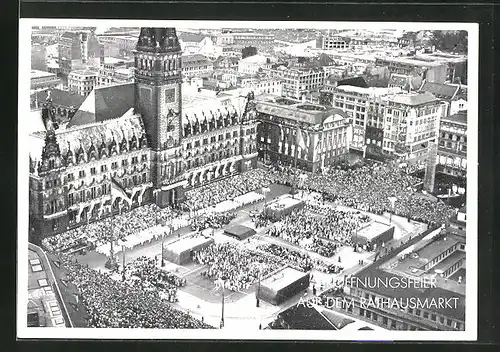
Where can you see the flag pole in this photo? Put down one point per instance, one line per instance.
(295, 159)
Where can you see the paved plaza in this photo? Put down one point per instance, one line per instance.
(200, 297)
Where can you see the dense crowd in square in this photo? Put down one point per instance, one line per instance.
(119, 226)
(240, 268)
(148, 271)
(298, 259)
(368, 186)
(226, 189)
(130, 304)
(211, 220)
(322, 230)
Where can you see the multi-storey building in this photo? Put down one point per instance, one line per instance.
(326, 133)
(332, 43)
(227, 62)
(245, 39)
(452, 145)
(253, 64)
(429, 70)
(299, 81)
(124, 42)
(362, 107)
(264, 85)
(72, 50)
(137, 136)
(114, 71)
(196, 66)
(411, 121)
(41, 80)
(455, 95)
(376, 293)
(79, 49)
(82, 81)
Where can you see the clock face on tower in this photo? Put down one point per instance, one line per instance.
(170, 95)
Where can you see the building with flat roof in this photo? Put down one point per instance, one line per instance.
(82, 81)
(430, 70)
(253, 64)
(452, 145)
(196, 66)
(411, 122)
(413, 289)
(42, 80)
(326, 133)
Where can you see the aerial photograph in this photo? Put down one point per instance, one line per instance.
(246, 179)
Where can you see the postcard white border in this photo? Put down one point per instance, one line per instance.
(470, 333)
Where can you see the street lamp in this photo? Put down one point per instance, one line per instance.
(162, 247)
(223, 281)
(257, 293)
(393, 202)
(265, 191)
(302, 178)
(123, 263)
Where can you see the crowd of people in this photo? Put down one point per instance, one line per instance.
(212, 220)
(226, 189)
(319, 229)
(146, 269)
(130, 304)
(119, 226)
(239, 268)
(368, 186)
(298, 259)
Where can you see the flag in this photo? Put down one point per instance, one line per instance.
(319, 146)
(118, 191)
(300, 139)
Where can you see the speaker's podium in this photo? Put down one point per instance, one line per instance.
(283, 285)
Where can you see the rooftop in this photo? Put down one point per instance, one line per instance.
(449, 261)
(410, 61)
(40, 74)
(440, 90)
(460, 118)
(105, 103)
(59, 98)
(255, 59)
(191, 37)
(374, 229)
(187, 243)
(283, 278)
(372, 91)
(436, 247)
(83, 73)
(445, 288)
(413, 99)
(289, 109)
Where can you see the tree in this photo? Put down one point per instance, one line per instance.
(248, 51)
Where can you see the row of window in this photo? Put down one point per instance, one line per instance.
(214, 139)
(209, 158)
(419, 313)
(98, 191)
(104, 167)
(454, 137)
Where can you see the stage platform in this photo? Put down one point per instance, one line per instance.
(283, 206)
(239, 232)
(375, 233)
(179, 252)
(283, 285)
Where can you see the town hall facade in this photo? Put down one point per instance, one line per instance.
(138, 138)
